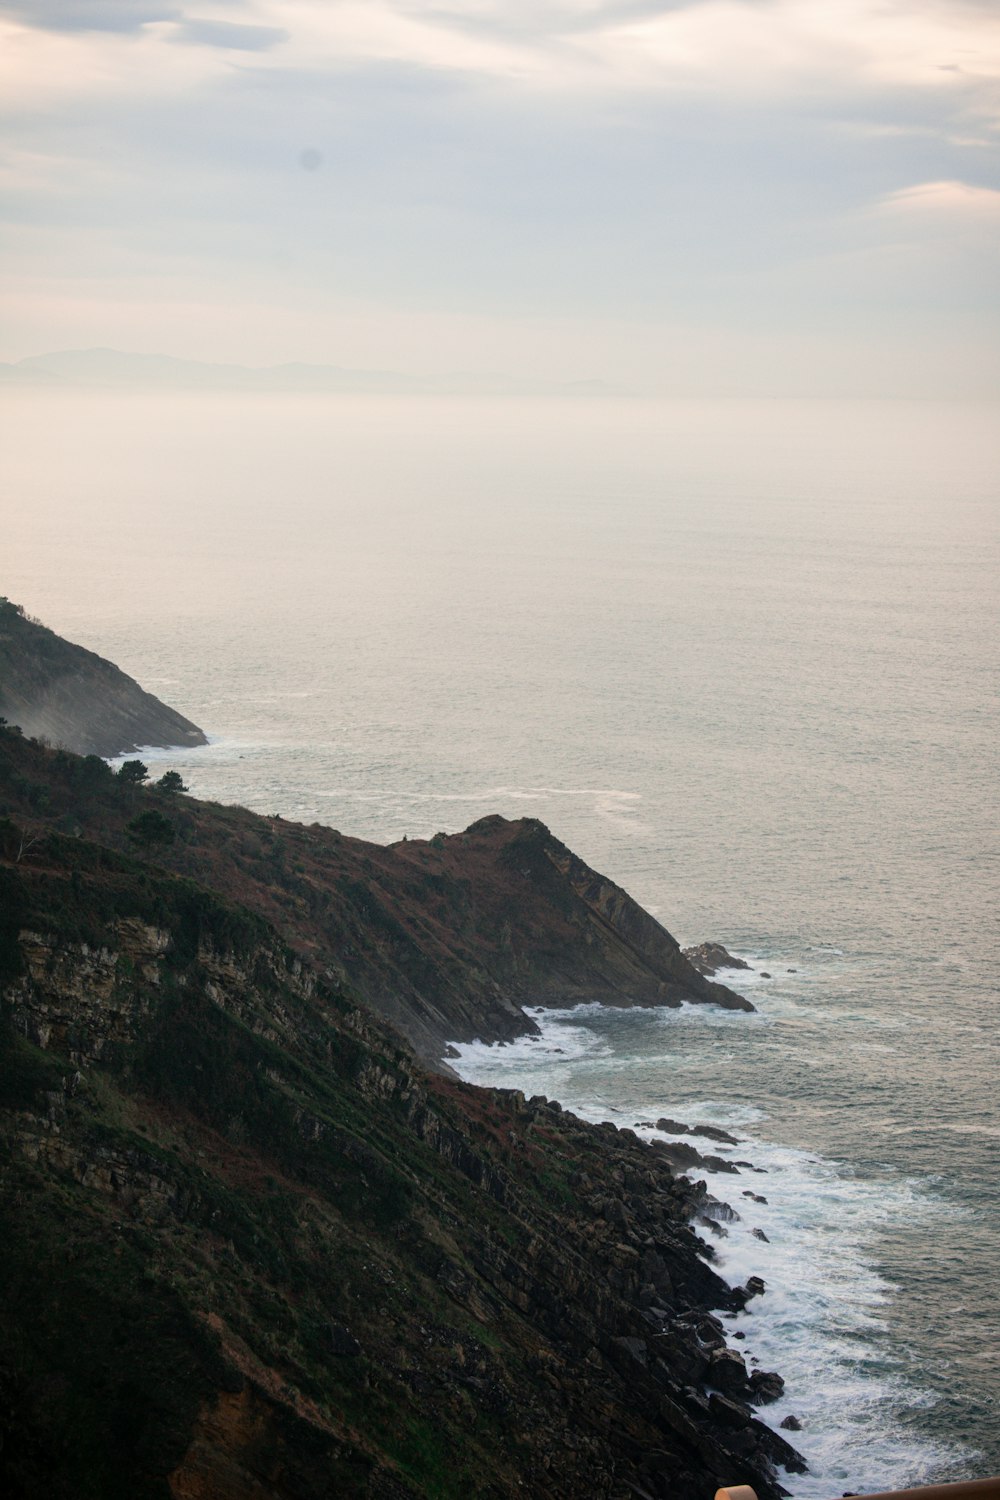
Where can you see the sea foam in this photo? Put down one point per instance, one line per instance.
(822, 1322)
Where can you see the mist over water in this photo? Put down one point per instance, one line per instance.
(741, 656)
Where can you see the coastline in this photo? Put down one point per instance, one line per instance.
(800, 1221)
(181, 1084)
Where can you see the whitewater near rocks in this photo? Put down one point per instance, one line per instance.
(808, 1225)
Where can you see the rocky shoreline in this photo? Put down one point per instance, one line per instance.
(246, 1227)
(447, 939)
(259, 1246)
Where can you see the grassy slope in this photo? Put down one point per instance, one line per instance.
(444, 938)
(252, 1249)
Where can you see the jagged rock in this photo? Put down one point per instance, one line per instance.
(713, 1132)
(765, 1386)
(445, 939)
(714, 1208)
(727, 1371)
(683, 1155)
(791, 1423)
(728, 1412)
(708, 957)
(759, 1234)
(261, 1228)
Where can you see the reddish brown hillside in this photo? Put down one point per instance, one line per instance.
(447, 938)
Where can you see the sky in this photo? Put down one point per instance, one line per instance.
(759, 197)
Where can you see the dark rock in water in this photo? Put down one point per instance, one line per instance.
(711, 1132)
(714, 1133)
(727, 1371)
(683, 1155)
(756, 1286)
(708, 957)
(715, 1209)
(777, 1450)
(791, 971)
(73, 699)
(764, 974)
(791, 1424)
(759, 1234)
(757, 1197)
(765, 1386)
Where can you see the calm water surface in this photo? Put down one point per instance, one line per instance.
(740, 656)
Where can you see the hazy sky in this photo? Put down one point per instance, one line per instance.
(704, 195)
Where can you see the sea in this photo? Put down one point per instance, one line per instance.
(742, 657)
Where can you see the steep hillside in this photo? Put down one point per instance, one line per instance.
(71, 697)
(447, 939)
(251, 1249)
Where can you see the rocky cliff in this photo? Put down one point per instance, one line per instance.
(71, 697)
(446, 938)
(252, 1249)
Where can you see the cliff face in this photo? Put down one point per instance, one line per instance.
(71, 697)
(251, 1249)
(447, 939)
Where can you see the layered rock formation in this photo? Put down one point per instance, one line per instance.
(252, 1249)
(71, 697)
(708, 958)
(446, 938)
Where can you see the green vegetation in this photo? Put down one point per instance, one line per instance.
(150, 829)
(132, 773)
(234, 1210)
(171, 782)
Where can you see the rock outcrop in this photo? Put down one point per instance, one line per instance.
(448, 939)
(252, 1248)
(71, 697)
(707, 958)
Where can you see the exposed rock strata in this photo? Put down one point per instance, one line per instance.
(71, 697)
(708, 958)
(447, 939)
(251, 1249)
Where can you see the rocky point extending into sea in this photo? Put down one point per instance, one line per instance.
(259, 1241)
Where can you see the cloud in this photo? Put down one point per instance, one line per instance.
(951, 198)
(748, 47)
(721, 164)
(89, 15)
(547, 18)
(228, 34)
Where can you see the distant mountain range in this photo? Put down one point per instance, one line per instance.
(111, 369)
